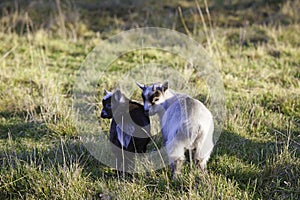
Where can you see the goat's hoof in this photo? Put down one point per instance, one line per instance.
(176, 176)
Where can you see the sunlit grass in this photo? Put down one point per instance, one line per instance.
(256, 157)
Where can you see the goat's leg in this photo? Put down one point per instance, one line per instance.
(201, 164)
(201, 159)
(176, 167)
(202, 153)
(175, 150)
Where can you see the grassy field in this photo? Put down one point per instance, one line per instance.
(254, 43)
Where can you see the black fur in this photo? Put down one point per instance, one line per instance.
(118, 111)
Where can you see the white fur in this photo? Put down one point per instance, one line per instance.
(123, 138)
(186, 124)
(182, 131)
(107, 95)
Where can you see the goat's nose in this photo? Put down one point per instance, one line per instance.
(103, 114)
(146, 107)
(146, 112)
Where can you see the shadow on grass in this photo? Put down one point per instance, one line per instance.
(265, 168)
(15, 125)
(34, 142)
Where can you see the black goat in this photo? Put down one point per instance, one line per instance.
(129, 129)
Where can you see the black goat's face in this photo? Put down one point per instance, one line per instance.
(106, 103)
(153, 97)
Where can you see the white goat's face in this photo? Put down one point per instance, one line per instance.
(153, 97)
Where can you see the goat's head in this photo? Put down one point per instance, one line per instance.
(110, 102)
(153, 96)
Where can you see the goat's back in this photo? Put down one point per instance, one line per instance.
(186, 118)
(137, 114)
(140, 122)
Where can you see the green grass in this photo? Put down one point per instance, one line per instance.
(255, 45)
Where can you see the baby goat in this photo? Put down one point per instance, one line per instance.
(185, 123)
(129, 129)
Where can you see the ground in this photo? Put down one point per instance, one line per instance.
(255, 45)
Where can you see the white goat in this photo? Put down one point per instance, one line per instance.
(185, 123)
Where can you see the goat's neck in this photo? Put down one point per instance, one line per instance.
(170, 98)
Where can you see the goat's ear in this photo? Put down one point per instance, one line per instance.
(165, 86)
(106, 92)
(140, 85)
(119, 97)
